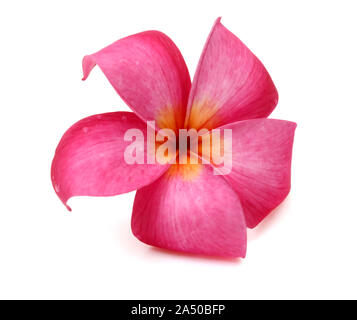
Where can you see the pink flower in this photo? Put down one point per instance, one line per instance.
(183, 207)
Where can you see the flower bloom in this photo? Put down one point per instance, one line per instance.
(183, 207)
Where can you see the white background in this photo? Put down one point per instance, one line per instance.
(305, 249)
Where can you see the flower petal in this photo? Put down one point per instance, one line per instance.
(189, 209)
(148, 71)
(89, 160)
(261, 165)
(230, 83)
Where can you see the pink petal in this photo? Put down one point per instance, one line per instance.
(89, 160)
(261, 165)
(230, 83)
(190, 210)
(148, 71)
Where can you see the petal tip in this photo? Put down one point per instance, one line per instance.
(64, 200)
(292, 125)
(88, 64)
(57, 188)
(238, 253)
(68, 207)
(215, 24)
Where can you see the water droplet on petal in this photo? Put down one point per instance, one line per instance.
(85, 129)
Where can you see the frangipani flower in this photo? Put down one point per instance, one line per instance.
(183, 207)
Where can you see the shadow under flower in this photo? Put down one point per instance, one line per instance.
(192, 256)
